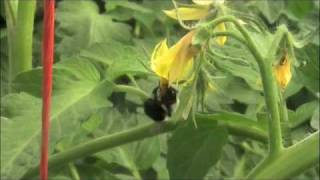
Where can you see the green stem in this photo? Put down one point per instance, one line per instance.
(22, 42)
(285, 124)
(133, 81)
(249, 42)
(71, 167)
(268, 81)
(11, 13)
(275, 137)
(230, 34)
(103, 143)
(137, 29)
(73, 171)
(139, 133)
(11, 7)
(290, 162)
(237, 126)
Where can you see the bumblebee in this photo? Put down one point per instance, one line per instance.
(160, 105)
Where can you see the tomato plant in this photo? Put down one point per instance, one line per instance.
(163, 89)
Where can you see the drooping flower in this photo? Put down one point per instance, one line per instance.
(173, 64)
(200, 10)
(283, 71)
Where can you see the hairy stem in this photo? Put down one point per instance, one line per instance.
(285, 124)
(237, 125)
(298, 157)
(268, 81)
(103, 143)
(145, 131)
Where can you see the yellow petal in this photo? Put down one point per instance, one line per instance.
(203, 2)
(176, 62)
(188, 13)
(158, 65)
(283, 71)
(222, 39)
(160, 49)
(183, 62)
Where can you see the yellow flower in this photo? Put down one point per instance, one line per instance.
(283, 71)
(197, 12)
(175, 63)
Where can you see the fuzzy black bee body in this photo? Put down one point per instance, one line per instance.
(159, 107)
(154, 110)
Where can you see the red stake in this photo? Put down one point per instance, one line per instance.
(47, 61)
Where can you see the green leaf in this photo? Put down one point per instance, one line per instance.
(93, 172)
(300, 9)
(66, 76)
(308, 71)
(111, 5)
(271, 10)
(303, 112)
(135, 156)
(245, 72)
(161, 167)
(81, 26)
(191, 151)
(143, 14)
(60, 178)
(240, 91)
(92, 123)
(122, 59)
(78, 92)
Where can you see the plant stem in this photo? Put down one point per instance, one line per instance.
(285, 124)
(268, 80)
(145, 131)
(73, 171)
(103, 143)
(237, 125)
(249, 42)
(11, 7)
(298, 157)
(22, 41)
(275, 137)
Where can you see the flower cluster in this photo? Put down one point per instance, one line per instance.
(174, 64)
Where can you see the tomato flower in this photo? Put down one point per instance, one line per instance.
(175, 63)
(200, 10)
(283, 71)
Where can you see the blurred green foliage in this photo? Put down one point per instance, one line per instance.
(98, 44)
